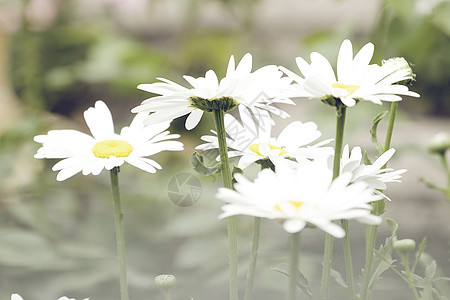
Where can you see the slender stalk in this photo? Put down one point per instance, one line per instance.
(446, 167)
(371, 230)
(295, 237)
(328, 249)
(409, 278)
(348, 261)
(166, 294)
(120, 235)
(231, 221)
(253, 258)
(390, 129)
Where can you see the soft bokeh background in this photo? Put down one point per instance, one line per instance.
(58, 56)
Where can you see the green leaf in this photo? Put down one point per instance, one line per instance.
(366, 158)
(382, 260)
(422, 246)
(338, 278)
(373, 131)
(200, 167)
(301, 280)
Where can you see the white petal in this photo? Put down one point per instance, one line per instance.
(99, 120)
(293, 225)
(193, 119)
(344, 61)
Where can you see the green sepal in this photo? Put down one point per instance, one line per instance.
(366, 158)
(373, 131)
(225, 104)
(266, 163)
(379, 207)
(199, 166)
(236, 170)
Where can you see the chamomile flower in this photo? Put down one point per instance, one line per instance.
(299, 196)
(374, 175)
(356, 79)
(253, 144)
(253, 90)
(105, 149)
(18, 297)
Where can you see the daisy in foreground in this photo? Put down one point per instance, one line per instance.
(105, 149)
(240, 87)
(18, 297)
(253, 144)
(356, 79)
(300, 196)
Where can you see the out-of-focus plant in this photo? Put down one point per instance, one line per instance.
(419, 30)
(440, 145)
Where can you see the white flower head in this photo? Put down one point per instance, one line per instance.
(301, 195)
(252, 144)
(374, 175)
(105, 149)
(356, 78)
(255, 90)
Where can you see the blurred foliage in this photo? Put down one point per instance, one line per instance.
(423, 38)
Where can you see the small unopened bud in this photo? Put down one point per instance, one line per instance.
(165, 282)
(440, 143)
(404, 246)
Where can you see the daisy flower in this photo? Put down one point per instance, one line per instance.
(253, 144)
(374, 175)
(356, 78)
(105, 149)
(256, 91)
(299, 196)
(18, 297)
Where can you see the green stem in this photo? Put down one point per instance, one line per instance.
(390, 129)
(295, 237)
(446, 167)
(348, 261)
(231, 221)
(166, 294)
(371, 236)
(120, 235)
(410, 280)
(328, 249)
(253, 258)
(371, 230)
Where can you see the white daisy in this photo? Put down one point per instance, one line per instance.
(374, 175)
(299, 196)
(105, 149)
(18, 297)
(253, 144)
(254, 90)
(356, 78)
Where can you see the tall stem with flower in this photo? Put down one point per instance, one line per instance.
(227, 182)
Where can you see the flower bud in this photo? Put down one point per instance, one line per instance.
(440, 143)
(399, 65)
(404, 246)
(165, 282)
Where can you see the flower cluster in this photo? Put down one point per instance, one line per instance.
(303, 182)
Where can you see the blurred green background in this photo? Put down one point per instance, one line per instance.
(57, 57)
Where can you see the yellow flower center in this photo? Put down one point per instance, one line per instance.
(350, 88)
(281, 207)
(255, 148)
(115, 148)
